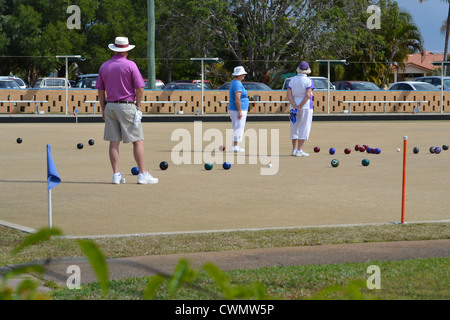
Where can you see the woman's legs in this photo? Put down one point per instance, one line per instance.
(238, 127)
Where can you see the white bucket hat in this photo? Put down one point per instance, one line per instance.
(121, 44)
(239, 71)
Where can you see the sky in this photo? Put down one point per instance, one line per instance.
(428, 17)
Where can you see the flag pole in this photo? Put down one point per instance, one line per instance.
(53, 180)
(405, 141)
(50, 208)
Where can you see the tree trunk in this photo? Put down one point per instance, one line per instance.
(388, 68)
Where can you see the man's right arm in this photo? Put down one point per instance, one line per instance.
(102, 99)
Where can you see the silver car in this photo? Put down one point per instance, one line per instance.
(320, 84)
(19, 81)
(412, 86)
(8, 84)
(436, 81)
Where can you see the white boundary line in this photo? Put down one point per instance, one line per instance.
(30, 230)
(17, 226)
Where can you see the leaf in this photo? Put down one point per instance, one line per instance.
(254, 290)
(217, 274)
(27, 288)
(97, 261)
(23, 270)
(41, 235)
(153, 285)
(183, 273)
(219, 277)
(258, 291)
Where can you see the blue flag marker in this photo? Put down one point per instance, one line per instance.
(53, 178)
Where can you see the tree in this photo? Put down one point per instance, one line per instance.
(348, 37)
(402, 37)
(114, 18)
(447, 32)
(267, 37)
(35, 32)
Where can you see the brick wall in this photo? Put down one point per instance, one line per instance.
(167, 102)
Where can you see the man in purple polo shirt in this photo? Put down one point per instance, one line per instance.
(120, 90)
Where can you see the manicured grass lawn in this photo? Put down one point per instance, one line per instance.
(220, 241)
(418, 279)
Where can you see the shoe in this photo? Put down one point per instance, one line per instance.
(301, 153)
(118, 179)
(237, 149)
(293, 153)
(146, 178)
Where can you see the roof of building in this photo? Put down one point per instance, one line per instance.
(424, 62)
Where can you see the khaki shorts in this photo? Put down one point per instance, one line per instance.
(119, 123)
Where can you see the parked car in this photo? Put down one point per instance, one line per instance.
(86, 83)
(436, 81)
(19, 81)
(182, 86)
(412, 86)
(249, 86)
(207, 84)
(158, 85)
(51, 83)
(8, 84)
(86, 76)
(356, 85)
(320, 83)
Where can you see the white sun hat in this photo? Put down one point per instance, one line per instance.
(121, 44)
(238, 71)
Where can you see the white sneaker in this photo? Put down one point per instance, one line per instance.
(146, 178)
(118, 179)
(237, 149)
(301, 153)
(293, 153)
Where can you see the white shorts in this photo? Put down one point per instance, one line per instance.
(238, 124)
(302, 128)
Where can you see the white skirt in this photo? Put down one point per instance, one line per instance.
(302, 128)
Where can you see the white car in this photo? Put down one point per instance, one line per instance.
(8, 84)
(17, 80)
(412, 86)
(320, 84)
(51, 83)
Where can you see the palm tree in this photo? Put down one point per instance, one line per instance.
(447, 33)
(403, 38)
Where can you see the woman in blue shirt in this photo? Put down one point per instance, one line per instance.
(238, 107)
